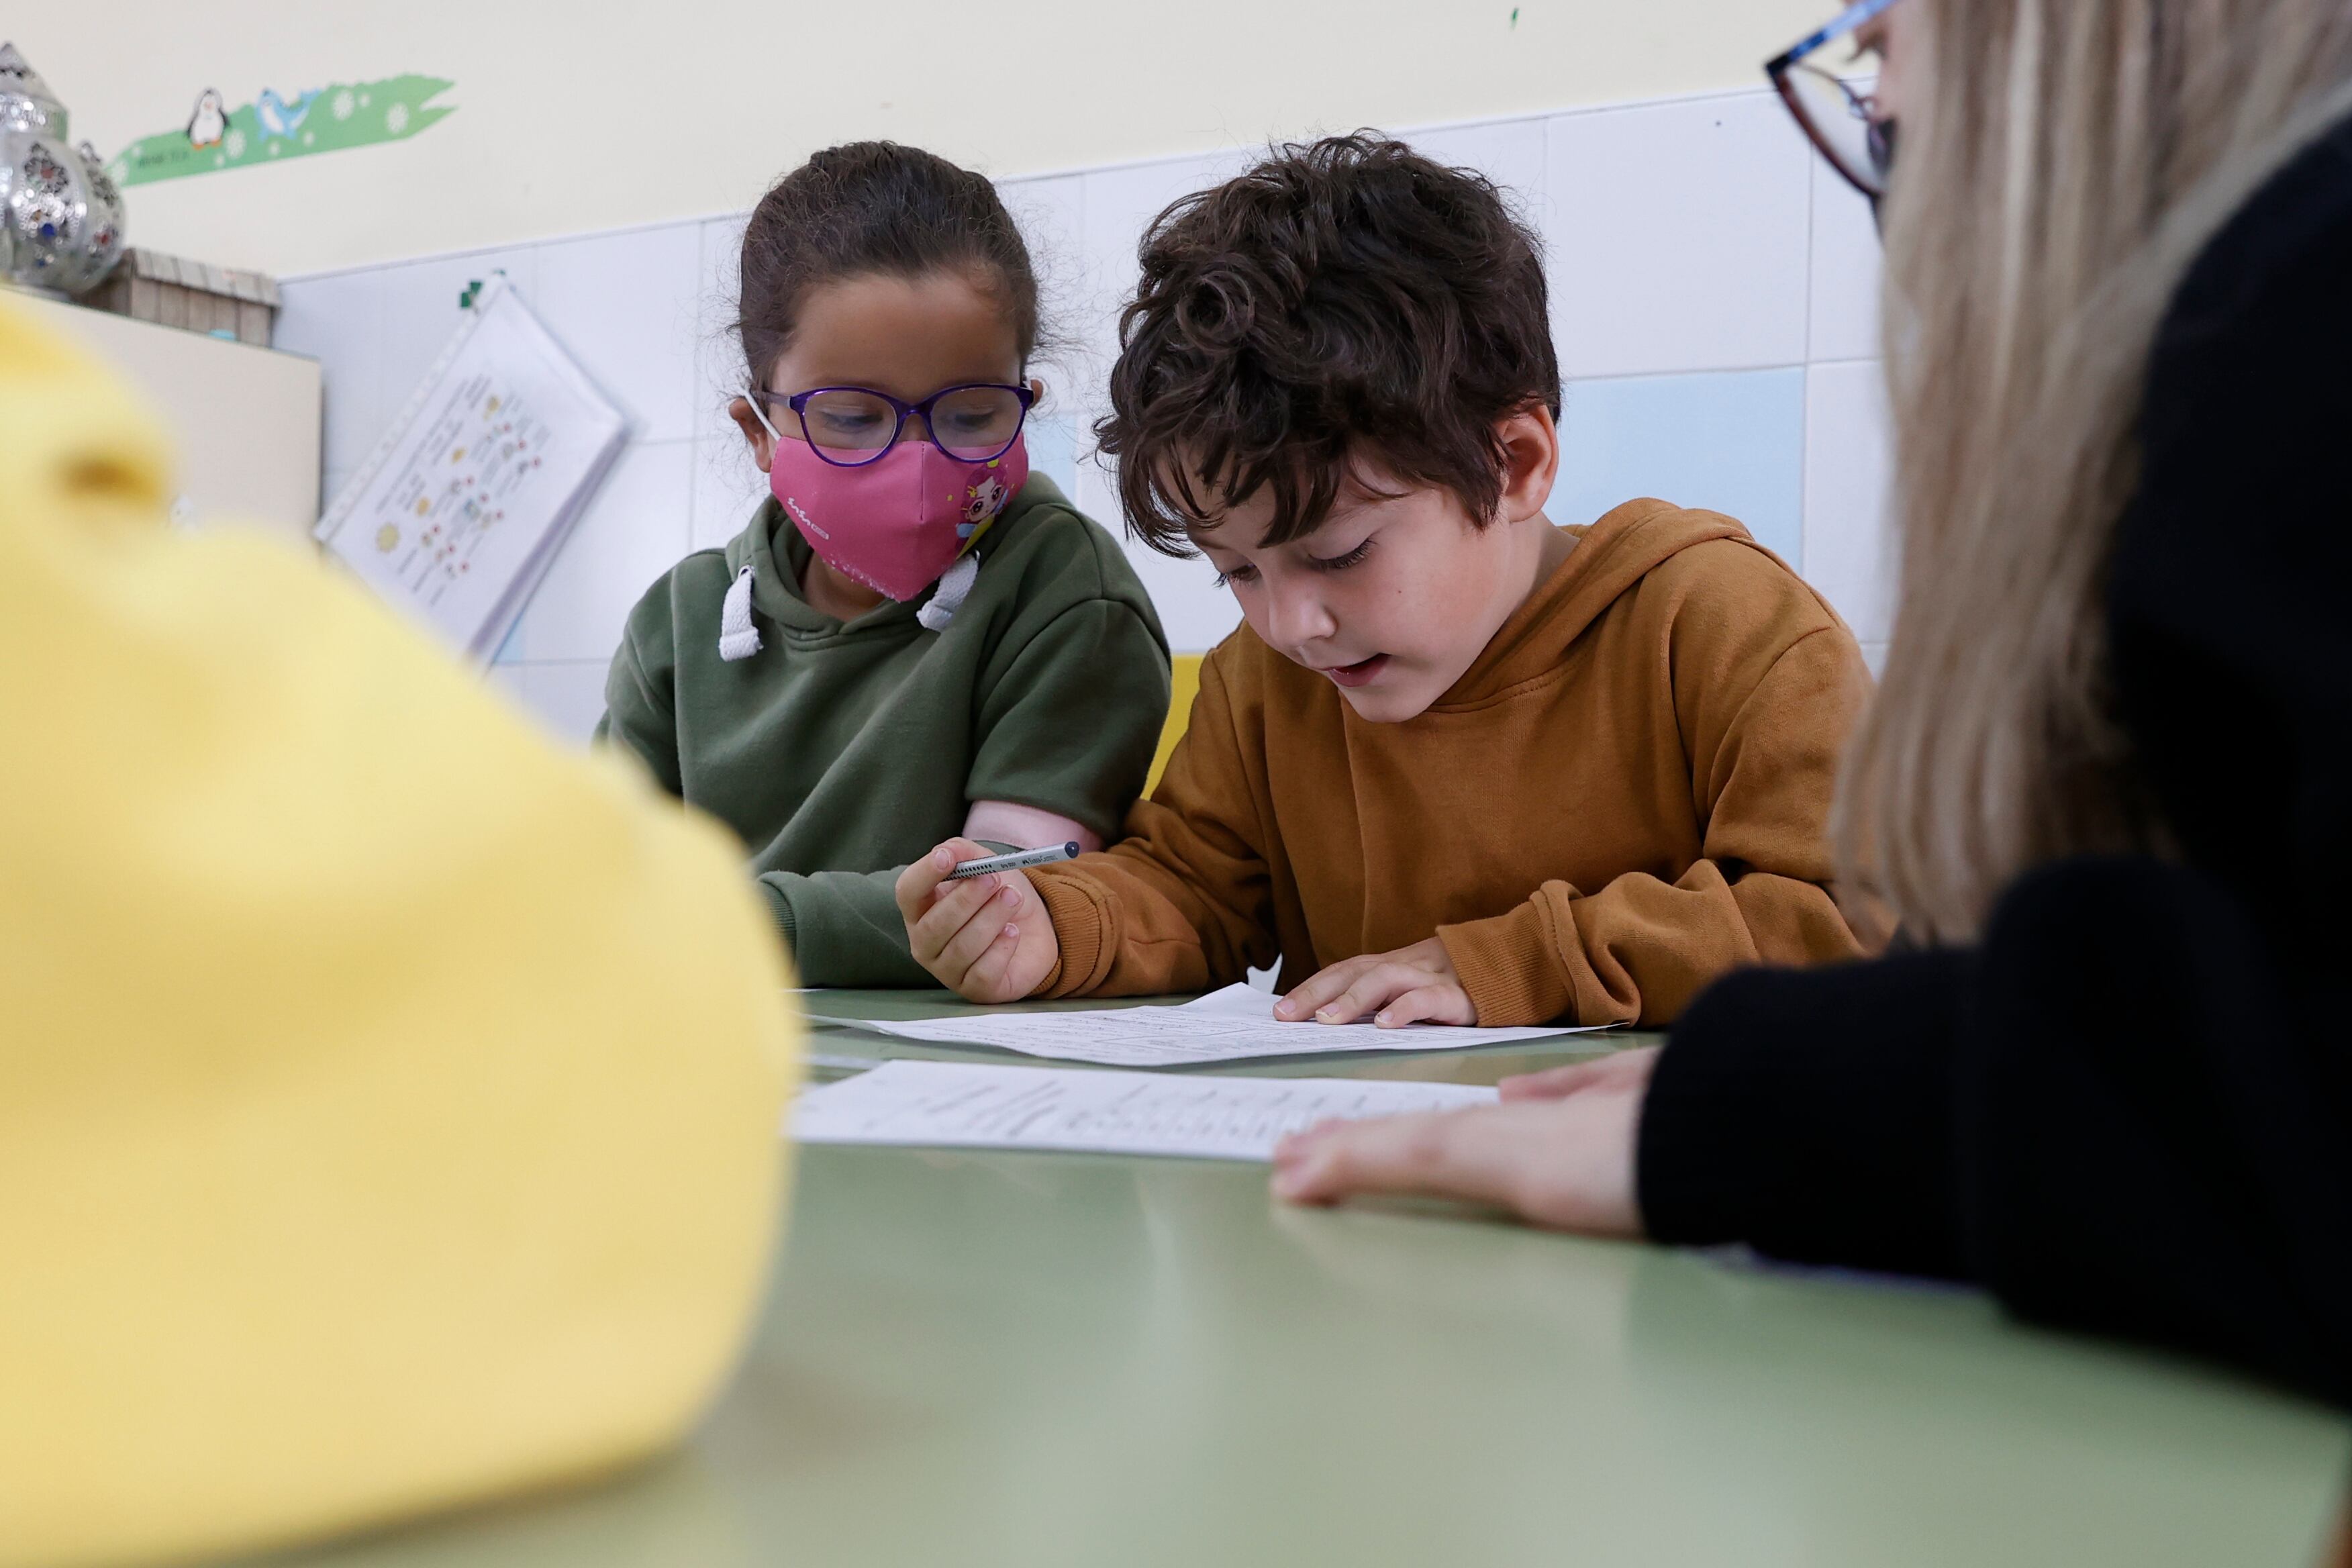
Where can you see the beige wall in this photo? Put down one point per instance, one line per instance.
(596, 114)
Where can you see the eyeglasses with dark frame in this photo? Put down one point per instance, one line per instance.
(1844, 125)
(850, 426)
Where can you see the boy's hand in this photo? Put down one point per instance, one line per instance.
(1413, 985)
(1558, 1151)
(986, 938)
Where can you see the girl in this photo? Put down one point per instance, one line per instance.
(2106, 778)
(913, 638)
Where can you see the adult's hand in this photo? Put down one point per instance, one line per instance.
(1559, 1150)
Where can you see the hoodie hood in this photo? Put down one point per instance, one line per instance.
(1611, 556)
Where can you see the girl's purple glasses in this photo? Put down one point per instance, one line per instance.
(850, 426)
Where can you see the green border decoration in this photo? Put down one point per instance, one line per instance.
(271, 130)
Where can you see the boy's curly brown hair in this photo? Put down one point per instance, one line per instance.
(1346, 297)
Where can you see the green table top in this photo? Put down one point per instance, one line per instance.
(979, 1358)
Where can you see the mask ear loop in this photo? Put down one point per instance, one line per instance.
(755, 398)
(739, 638)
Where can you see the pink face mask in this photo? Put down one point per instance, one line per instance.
(897, 523)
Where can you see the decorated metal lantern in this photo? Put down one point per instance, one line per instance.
(60, 214)
(26, 102)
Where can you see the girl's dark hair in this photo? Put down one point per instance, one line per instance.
(1345, 296)
(875, 207)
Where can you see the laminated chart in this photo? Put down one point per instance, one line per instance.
(477, 457)
(458, 511)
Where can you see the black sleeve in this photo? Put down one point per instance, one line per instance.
(2113, 1114)
(1809, 1112)
(2151, 1137)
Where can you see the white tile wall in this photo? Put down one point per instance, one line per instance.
(506, 680)
(727, 486)
(1679, 237)
(717, 354)
(1074, 350)
(1052, 216)
(1120, 202)
(1115, 206)
(1842, 317)
(628, 306)
(1731, 443)
(634, 530)
(1054, 437)
(1194, 611)
(337, 321)
(1686, 239)
(1846, 555)
(567, 698)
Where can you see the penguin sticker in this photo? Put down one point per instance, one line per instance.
(209, 123)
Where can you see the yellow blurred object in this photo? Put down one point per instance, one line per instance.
(389, 1103)
(1184, 684)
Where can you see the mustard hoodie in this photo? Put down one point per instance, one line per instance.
(389, 1103)
(1622, 798)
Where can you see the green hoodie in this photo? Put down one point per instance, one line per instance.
(841, 750)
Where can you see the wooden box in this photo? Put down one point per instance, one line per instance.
(173, 291)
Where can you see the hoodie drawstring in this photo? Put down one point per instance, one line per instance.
(738, 637)
(955, 585)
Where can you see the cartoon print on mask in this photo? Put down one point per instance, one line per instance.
(986, 499)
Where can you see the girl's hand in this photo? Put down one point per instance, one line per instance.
(1559, 1150)
(985, 938)
(1413, 985)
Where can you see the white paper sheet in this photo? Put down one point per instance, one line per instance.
(981, 1105)
(1223, 1026)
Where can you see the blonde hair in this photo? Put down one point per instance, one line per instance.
(2059, 164)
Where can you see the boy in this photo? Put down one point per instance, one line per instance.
(1459, 765)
